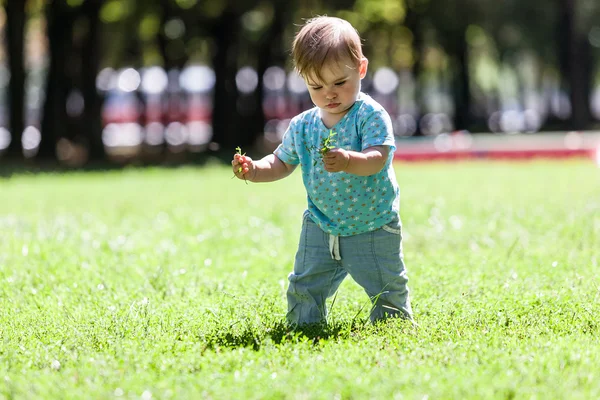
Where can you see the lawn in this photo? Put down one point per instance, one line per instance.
(170, 283)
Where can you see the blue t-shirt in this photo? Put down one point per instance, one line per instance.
(343, 204)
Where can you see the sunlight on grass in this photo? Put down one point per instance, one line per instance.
(171, 284)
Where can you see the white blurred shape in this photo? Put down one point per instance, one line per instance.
(174, 28)
(434, 124)
(176, 134)
(155, 134)
(594, 36)
(295, 83)
(129, 80)
(75, 103)
(385, 80)
(31, 138)
(494, 122)
(561, 105)
(197, 78)
(122, 135)
(573, 140)
(33, 96)
(254, 21)
(512, 122)
(532, 121)
(199, 133)
(274, 78)
(246, 79)
(131, 134)
(443, 143)
(106, 80)
(405, 125)
(463, 140)
(154, 80)
(271, 131)
(595, 103)
(110, 135)
(5, 138)
(282, 127)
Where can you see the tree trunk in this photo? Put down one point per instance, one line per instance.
(15, 29)
(225, 117)
(270, 52)
(163, 41)
(581, 83)
(462, 87)
(55, 120)
(414, 22)
(92, 120)
(575, 62)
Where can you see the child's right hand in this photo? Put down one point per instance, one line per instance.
(243, 167)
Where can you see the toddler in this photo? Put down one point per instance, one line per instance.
(352, 223)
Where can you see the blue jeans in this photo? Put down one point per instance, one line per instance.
(373, 259)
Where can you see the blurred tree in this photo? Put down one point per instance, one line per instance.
(575, 57)
(230, 34)
(15, 31)
(268, 48)
(74, 62)
(226, 29)
(558, 34)
(91, 56)
(221, 26)
(171, 40)
(60, 18)
(225, 32)
(450, 23)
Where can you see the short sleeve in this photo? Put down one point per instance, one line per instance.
(286, 151)
(377, 130)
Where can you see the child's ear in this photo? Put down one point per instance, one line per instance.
(362, 68)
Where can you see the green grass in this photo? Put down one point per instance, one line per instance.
(171, 284)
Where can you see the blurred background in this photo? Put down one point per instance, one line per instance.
(170, 81)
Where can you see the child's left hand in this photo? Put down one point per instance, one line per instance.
(336, 160)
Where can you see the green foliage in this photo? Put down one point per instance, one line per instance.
(186, 4)
(149, 26)
(213, 9)
(74, 3)
(33, 7)
(115, 10)
(238, 151)
(327, 143)
(375, 11)
(157, 282)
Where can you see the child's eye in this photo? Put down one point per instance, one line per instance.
(340, 83)
(316, 87)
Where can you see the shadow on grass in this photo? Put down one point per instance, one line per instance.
(281, 332)
(278, 333)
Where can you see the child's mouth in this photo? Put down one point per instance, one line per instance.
(333, 105)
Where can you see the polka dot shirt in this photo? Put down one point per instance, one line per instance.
(343, 204)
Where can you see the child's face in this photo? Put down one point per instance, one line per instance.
(339, 89)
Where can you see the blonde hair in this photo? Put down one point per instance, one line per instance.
(322, 40)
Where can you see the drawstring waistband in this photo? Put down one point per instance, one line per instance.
(334, 247)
